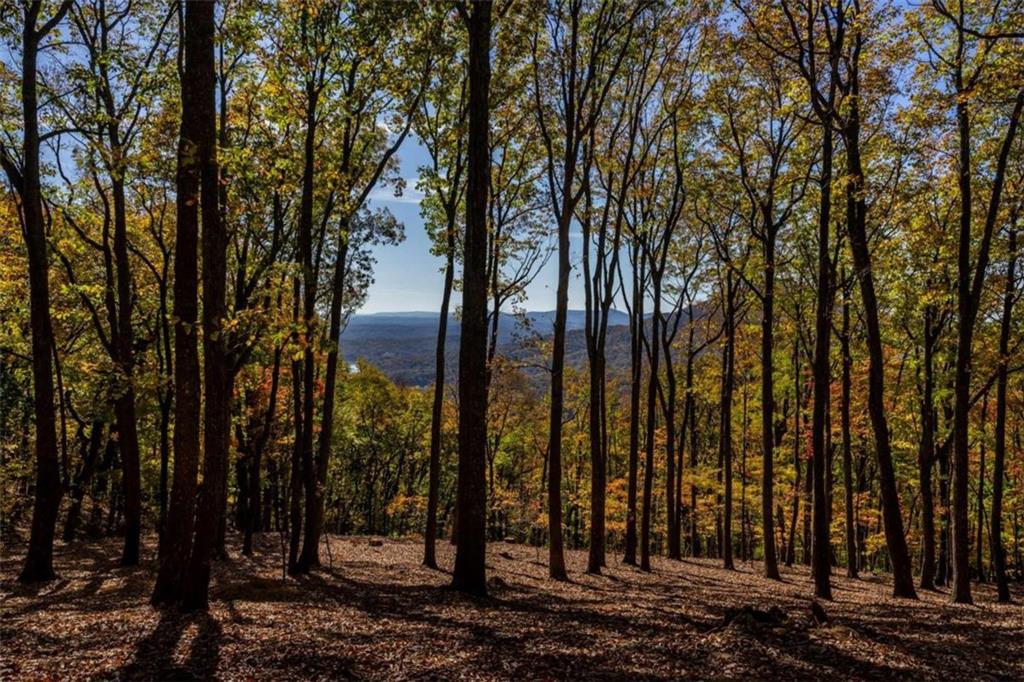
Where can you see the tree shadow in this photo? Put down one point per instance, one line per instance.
(154, 658)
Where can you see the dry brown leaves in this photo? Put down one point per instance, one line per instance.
(374, 612)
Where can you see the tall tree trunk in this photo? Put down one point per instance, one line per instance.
(725, 423)
(671, 502)
(124, 407)
(294, 494)
(771, 566)
(998, 466)
(556, 556)
(797, 438)
(470, 572)
(654, 353)
(969, 285)
(212, 502)
(895, 540)
(181, 516)
(926, 455)
(48, 491)
(844, 425)
(315, 508)
(820, 565)
(636, 351)
(979, 544)
(436, 412)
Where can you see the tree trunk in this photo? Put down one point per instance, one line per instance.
(820, 565)
(771, 566)
(844, 418)
(315, 508)
(48, 491)
(469, 574)
(181, 515)
(903, 581)
(636, 348)
(725, 423)
(211, 505)
(90, 453)
(998, 467)
(436, 412)
(926, 455)
(654, 354)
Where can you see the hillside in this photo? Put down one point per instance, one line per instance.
(403, 344)
(375, 613)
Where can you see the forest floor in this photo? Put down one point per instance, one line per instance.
(374, 612)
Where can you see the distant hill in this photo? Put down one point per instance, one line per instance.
(403, 344)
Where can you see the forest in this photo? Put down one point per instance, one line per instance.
(772, 427)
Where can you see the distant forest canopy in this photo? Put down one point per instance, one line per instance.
(807, 212)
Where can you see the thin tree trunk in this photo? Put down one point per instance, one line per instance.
(844, 417)
(771, 566)
(998, 467)
(653, 380)
(820, 565)
(926, 455)
(725, 423)
(436, 412)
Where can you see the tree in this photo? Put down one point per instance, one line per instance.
(469, 574)
(196, 158)
(581, 64)
(762, 127)
(966, 56)
(24, 177)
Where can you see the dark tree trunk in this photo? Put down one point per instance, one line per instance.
(926, 454)
(844, 419)
(211, 505)
(636, 347)
(979, 544)
(791, 547)
(48, 490)
(315, 507)
(256, 514)
(771, 566)
(820, 565)
(90, 453)
(969, 287)
(124, 407)
(654, 353)
(294, 494)
(999, 466)
(725, 422)
(181, 516)
(436, 412)
(469, 574)
(903, 580)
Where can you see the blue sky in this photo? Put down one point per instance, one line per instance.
(408, 277)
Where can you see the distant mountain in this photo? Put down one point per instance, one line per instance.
(403, 344)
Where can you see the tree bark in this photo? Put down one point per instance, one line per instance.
(999, 465)
(844, 419)
(187, 389)
(436, 411)
(469, 575)
(211, 505)
(820, 565)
